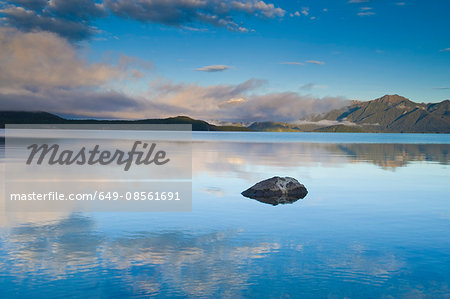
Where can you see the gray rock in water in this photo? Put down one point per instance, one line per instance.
(277, 190)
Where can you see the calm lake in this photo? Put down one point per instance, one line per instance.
(375, 223)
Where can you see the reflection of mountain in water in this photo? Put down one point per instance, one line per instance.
(223, 156)
(391, 156)
(243, 158)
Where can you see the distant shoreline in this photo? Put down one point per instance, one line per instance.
(26, 117)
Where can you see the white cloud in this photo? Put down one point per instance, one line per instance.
(233, 101)
(305, 11)
(325, 123)
(194, 29)
(445, 50)
(292, 63)
(367, 13)
(315, 62)
(213, 68)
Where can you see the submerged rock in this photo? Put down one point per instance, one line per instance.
(277, 190)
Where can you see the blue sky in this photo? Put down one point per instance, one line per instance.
(313, 50)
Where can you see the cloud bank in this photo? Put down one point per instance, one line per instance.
(42, 71)
(73, 19)
(42, 60)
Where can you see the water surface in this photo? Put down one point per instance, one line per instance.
(375, 223)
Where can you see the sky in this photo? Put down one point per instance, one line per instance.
(232, 60)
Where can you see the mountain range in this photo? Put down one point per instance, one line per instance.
(393, 113)
(390, 114)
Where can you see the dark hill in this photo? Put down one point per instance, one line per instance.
(21, 117)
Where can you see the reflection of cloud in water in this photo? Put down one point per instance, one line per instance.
(216, 264)
(357, 264)
(216, 191)
(56, 248)
(196, 265)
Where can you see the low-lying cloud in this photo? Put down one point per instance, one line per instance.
(325, 123)
(79, 102)
(164, 99)
(240, 102)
